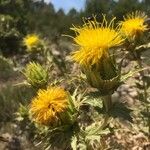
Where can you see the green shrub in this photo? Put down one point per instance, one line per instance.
(10, 99)
(9, 35)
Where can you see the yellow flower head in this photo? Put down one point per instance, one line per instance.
(31, 41)
(94, 40)
(48, 106)
(133, 23)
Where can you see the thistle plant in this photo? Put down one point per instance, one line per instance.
(54, 109)
(95, 41)
(134, 28)
(56, 113)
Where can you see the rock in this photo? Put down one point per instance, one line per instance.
(130, 101)
(133, 94)
(115, 97)
(124, 93)
(131, 90)
(14, 144)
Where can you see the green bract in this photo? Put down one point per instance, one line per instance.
(36, 75)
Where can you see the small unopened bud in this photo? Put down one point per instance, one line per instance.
(36, 75)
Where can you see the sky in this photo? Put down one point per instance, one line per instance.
(67, 4)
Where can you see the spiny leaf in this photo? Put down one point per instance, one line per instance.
(143, 47)
(95, 129)
(74, 143)
(131, 73)
(93, 99)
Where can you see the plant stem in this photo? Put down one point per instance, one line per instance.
(144, 83)
(105, 123)
(142, 73)
(145, 92)
(107, 101)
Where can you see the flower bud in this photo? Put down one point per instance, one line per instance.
(36, 75)
(105, 78)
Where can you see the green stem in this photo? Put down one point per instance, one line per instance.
(145, 92)
(144, 83)
(105, 123)
(107, 101)
(44, 52)
(142, 73)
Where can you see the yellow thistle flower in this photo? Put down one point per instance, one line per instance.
(94, 40)
(133, 24)
(31, 41)
(50, 106)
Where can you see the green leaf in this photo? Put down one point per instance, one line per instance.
(143, 47)
(93, 99)
(92, 134)
(74, 143)
(82, 146)
(72, 105)
(130, 74)
(95, 129)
